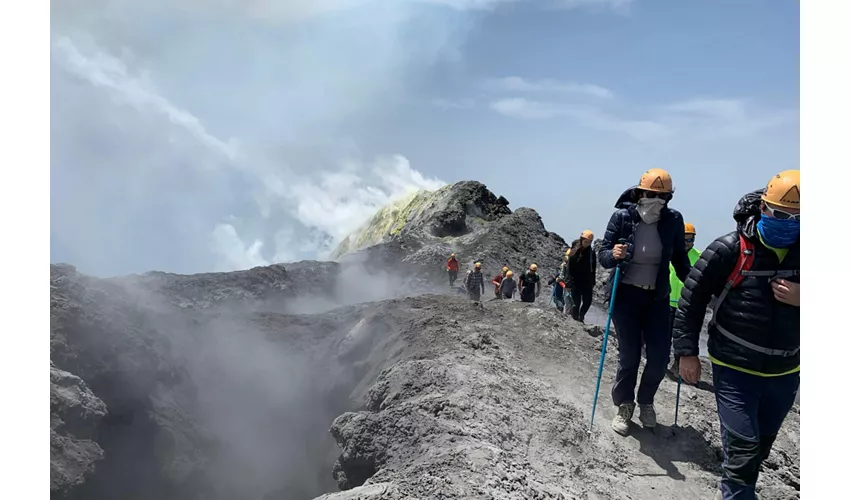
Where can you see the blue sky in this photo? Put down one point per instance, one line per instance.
(190, 136)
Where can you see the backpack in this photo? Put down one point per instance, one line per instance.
(743, 268)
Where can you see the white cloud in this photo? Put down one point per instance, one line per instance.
(616, 5)
(233, 252)
(586, 116)
(727, 109)
(550, 86)
(699, 119)
(324, 203)
(465, 103)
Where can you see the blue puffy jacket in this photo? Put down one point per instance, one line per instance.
(622, 224)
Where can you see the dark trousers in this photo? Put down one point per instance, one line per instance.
(640, 320)
(452, 277)
(582, 297)
(751, 410)
(475, 294)
(528, 294)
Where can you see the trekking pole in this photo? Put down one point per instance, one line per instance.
(678, 390)
(605, 338)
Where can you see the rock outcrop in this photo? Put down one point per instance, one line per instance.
(225, 385)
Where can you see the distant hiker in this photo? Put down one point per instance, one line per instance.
(675, 283)
(508, 286)
(529, 284)
(475, 282)
(579, 274)
(452, 267)
(559, 293)
(754, 333)
(497, 281)
(655, 235)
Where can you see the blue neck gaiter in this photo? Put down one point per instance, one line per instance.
(778, 233)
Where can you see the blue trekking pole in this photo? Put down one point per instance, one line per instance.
(605, 338)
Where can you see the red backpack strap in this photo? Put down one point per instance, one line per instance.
(746, 255)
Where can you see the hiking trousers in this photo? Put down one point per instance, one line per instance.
(640, 319)
(582, 297)
(751, 411)
(452, 277)
(475, 295)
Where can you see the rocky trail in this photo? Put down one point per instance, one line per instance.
(279, 383)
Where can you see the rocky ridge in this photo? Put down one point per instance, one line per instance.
(224, 385)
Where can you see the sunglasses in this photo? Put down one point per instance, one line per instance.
(690, 240)
(653, 194)
(781, 214)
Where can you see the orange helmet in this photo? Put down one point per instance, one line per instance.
(690, 229)
(505, 269)
(657, 180)
(452, 255)
(477, 265)
(784, 190)
(533, 267)
(509, 274)
(587, 234)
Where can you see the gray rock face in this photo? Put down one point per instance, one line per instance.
(226, 385)
(74, 416)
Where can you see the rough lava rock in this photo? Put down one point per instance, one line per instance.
(225, 385)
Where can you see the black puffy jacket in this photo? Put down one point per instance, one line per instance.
(749, 311)
(671, 228)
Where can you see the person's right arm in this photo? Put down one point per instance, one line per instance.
(612, 233)
(707, 278)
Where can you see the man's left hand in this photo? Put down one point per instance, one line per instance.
(786, 292)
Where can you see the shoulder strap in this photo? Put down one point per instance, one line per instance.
(746, 255)
(744, 263)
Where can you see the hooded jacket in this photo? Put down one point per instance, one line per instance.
(749, 311)
(671, 228)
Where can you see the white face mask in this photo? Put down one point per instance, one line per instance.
(649, 209)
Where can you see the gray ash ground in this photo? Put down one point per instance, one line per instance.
(280, 383)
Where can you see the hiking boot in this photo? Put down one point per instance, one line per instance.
(621, 422)
(647, 415)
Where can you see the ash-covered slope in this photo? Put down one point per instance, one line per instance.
(418, 234)
(225, 385)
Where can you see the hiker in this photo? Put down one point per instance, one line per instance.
(529, 284)
(474, 283)
(579, 274)
(654, 235)
(497, 281)
(452, 267)
(508, 286)
(676, 284)
(754, 332)
(559, 293)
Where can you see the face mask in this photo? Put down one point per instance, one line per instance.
(649, 209)
(778, 233)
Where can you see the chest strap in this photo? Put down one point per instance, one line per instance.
(771, 274)
(764, 350)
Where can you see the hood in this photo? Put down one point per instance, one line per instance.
(747, 213)
(625, 199)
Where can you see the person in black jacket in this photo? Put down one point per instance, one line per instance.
(655, 238)
(754, 333)
(579, 274)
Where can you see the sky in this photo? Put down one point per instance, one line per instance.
(191, 136)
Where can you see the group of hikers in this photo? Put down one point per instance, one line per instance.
(504, 284)
(750, 278)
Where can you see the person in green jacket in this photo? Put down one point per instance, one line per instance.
(676, 284)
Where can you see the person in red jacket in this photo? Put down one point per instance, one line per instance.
(497, 281)
(452, 267)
